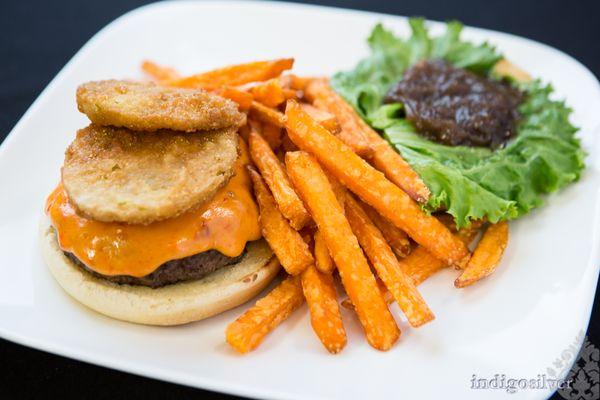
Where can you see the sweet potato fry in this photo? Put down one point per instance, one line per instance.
(327, 120)
(291, 94)
(295, 82)
(273, 172)
(269, 93)
(395, 168)
(372, 187)
(385, 293)
(235, 75)
(286, 243)
(420, 264)
(249, 330)
(243, 99)
(486, 256)
(323, 260)
(267, 115)
(272, 134)
(325, 316)
(338, 189)
(358, 135)
(506, 68)
(322, 96)
(396, 237)
(386, 264)
(159, 73)
(314, 188)
(468, 233)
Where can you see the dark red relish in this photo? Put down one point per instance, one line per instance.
(456, 107)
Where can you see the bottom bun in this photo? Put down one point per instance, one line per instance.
(174, 304)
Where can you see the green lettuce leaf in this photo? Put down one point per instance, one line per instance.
(366, 85)
(470, 183)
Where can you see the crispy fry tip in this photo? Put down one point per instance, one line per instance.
(249, 330)
(486, 256)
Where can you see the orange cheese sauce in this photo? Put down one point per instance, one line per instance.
(224, 224)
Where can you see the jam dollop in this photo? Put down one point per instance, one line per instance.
(456, 107)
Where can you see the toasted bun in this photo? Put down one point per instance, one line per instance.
(114, 174)
(170, 305)
(149, 107)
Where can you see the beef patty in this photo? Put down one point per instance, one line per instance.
(183, 269)
(454, 106)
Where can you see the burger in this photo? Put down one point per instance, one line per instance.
(154, 221)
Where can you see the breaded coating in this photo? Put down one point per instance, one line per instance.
(149, 107)
(114, 174)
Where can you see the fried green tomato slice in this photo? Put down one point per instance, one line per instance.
(149, 107)
(115, 174)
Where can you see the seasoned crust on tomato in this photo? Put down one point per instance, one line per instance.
(114, 174)
(149, 107)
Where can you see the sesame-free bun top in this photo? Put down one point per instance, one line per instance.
(173, 304)
(117, 175)
(149, 107)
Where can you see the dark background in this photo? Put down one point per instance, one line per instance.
(38, 38)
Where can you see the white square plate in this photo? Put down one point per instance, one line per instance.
(517, 322)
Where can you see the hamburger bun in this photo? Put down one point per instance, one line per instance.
(149, 107)
(174, 304)
(117, 175)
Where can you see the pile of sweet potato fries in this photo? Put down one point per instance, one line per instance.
(333, 195)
